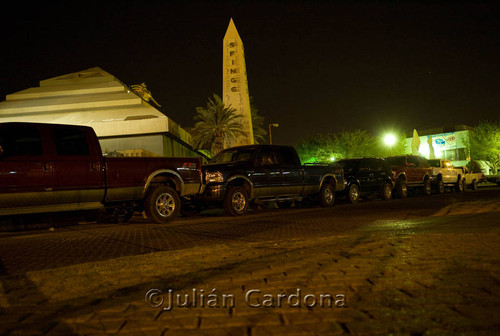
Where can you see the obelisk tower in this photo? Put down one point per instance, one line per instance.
(235, 84)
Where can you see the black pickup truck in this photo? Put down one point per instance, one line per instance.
(257, 173)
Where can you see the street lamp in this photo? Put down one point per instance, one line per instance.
(270, 134)
(390, 140)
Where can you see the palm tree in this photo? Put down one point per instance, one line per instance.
(215, 122)
(259, 132)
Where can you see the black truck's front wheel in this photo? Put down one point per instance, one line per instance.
(162, 204)
(236, 201)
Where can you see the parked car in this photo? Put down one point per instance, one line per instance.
(445, 175)
(410, 171)
(54, 168)
(471, 180)
(259, 173)
(367, 176)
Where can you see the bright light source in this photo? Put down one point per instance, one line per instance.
(390, 139)
(424, 150)
(332, 159)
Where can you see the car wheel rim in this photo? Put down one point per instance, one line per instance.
(165, 205)
(354, 193)
(387, 191)
(328, 194)
(239, 201)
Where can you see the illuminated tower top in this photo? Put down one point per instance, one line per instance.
(235, 85)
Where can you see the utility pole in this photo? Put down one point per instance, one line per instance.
(270, 134)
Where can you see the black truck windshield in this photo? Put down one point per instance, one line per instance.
(233, 155)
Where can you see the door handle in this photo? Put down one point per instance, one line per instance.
(47, 167)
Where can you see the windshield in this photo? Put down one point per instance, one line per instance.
(349, 165)
(435, 163)
(233, 155)
(396, 160)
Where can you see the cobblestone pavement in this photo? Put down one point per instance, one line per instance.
(405, 268)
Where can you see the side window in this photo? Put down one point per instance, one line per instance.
(21, 141)
(424, 163)
(413, 161)
(376, 165)
(265, 157)
(385, 166)
(287, 156)
(364, 165)
(70, 142)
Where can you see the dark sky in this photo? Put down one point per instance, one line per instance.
(313, 67)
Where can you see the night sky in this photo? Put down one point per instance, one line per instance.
(313, 67)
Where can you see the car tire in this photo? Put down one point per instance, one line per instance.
(326, 195)
(440, 187)
(353, 193)
(236, 201)
(401, 189)
(426, 189)
(459, 186)
(386, 191)
(162, 204)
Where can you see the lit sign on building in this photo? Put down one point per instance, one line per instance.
(445, 141)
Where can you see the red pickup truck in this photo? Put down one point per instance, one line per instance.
(53, 168)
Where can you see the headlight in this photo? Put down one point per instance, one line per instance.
(214, 177)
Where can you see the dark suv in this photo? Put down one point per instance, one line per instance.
(410, 171)
(367, 176)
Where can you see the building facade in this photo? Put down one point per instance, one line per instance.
(125, 124)
(450, 143)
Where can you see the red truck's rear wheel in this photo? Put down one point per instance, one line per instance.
(162, 204)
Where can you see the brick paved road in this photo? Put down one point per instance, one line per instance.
(416, 266)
